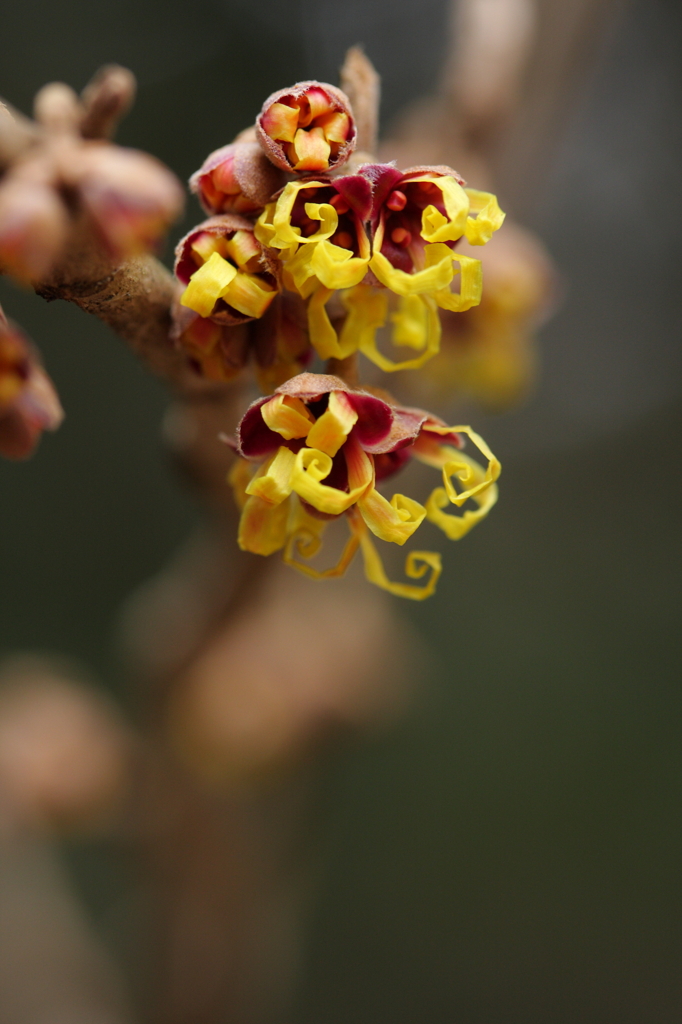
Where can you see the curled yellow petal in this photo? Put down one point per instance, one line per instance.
(336, 267)
(489, 217)
(288, 416)
(208, 284)
(410, 323)
(205, 244)
(264, 229)
(311, 467)
(437, 273)
(306, 541)
(456, 463)
(330, 431)
(249, 294)
(244, 250)
(417, 565)
(455, 527)
(323, 337)
(281, 121)
(470, 286)
(427, 322)
(262, 526)
(284, 234)
(393, 521)
(439, 228)
(273, 484)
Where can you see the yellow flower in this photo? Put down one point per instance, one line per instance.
(320, 448)
(376, 233)
(221, 263)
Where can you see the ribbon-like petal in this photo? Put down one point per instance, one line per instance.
(262, 526)
(330, 431)
(273, 482)
(310, 468)
(393, 521)
(287, 415)
(417, 565)
(489, 217)
(208, 284)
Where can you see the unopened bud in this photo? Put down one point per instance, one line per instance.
(308, 128)
(131, 197)
(237, 178)
(28, 401)
(33, 228)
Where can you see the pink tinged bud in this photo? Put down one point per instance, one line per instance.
(307, 128)
(131, 197)
(33, 228)
(237, 178)
(397, 201)
(223, 177)
(28, 401)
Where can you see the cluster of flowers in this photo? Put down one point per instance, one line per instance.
(301, 258)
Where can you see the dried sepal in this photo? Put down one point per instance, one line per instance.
(308, 128)
(106, 98)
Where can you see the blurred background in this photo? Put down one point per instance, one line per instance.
(510, 851)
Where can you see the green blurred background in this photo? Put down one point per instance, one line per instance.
(511, 852)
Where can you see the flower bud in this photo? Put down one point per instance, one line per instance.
(237, 178)
(28, 401)
(308, 128)
(221, 263)
(33, 228)
(131, 197)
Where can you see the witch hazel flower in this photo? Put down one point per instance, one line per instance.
(231, 309)
(315, 450)
(372, 235)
